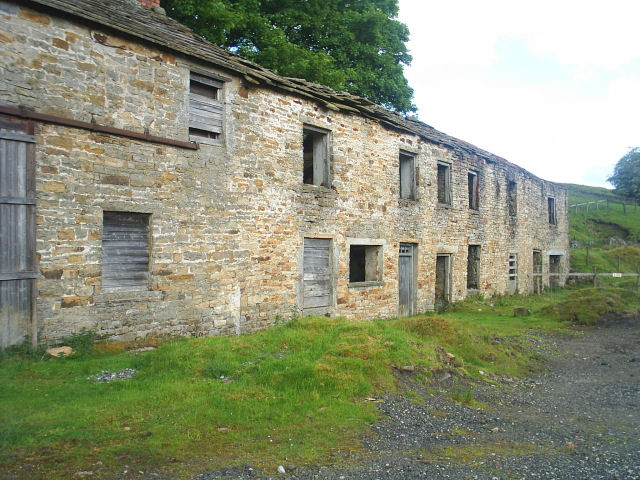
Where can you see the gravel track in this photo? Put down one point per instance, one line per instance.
(580, 420)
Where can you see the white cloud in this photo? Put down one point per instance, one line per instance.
(572, 122)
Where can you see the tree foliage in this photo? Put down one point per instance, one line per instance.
(352, 45)
(626, 174)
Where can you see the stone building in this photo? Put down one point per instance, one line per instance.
(152, 183)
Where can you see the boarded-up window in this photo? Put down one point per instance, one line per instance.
(205, 108)
(317, 282)
(125, 251)
(407, 176)
(365, 263)
(551, 206)
(444, 183)
(474, 191)
(315, 143)
(512, 198)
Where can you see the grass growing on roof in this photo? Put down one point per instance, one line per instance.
(292, 394)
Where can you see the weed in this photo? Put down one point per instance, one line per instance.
(462, 395)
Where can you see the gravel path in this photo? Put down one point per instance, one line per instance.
(581, 420)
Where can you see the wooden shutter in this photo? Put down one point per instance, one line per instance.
(125, 251)
(205, 108)
(316, 273)
(17, 234)
(407, 177)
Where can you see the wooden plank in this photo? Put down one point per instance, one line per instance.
(205, 104)
(312, 302)
(205, 80)
(17, 276)
(17, 136)
(125, 250)
(317, 242)
(17, 200)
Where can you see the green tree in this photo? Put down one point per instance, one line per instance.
(626, 174)
(352, 45)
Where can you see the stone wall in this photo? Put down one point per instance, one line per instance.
(228, 221)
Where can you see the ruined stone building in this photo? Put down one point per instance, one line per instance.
(152, 183)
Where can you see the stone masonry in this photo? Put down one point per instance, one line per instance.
(228, 220)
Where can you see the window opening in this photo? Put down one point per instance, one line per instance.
(205, 107)
(315, 145)
(551, 206)
(407, 176)
(365, 263)
(125, 251)
(474, 194)
(513, 272)
(512, 198)
(444, 183)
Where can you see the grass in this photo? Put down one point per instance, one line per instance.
(479, 452)
(296, 393)
(596, 227)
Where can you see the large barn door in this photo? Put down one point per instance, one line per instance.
(317, 273)
(17, 233)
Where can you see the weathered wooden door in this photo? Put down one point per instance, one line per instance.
(317, 281)
(406, 280)
(17, 233)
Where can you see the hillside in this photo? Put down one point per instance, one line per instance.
(610, 230)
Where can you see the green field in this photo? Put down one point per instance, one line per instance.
(599, 228)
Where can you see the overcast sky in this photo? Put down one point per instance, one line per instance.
(553, 86)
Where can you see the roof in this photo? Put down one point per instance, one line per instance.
(128, 17)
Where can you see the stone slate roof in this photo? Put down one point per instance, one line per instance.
(127, 16)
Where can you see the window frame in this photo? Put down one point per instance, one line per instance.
(379, 245)
(320, 156)
(447, 183)
(200, 131)
(403, 158)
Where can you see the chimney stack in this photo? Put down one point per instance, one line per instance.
(150, 3)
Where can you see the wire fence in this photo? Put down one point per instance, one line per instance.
(543, 282)
(630, 205)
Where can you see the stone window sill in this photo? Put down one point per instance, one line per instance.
(356, 285)
(128, 296)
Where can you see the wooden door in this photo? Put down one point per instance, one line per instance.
(317, 281)
(406, 280)
(17, 233)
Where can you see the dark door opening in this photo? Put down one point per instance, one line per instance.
(443, 281)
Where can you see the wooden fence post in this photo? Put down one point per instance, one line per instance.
(618, 263)
(595, 276)
(624, 208)
(587, 255)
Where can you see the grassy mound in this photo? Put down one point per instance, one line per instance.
(587, 305)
